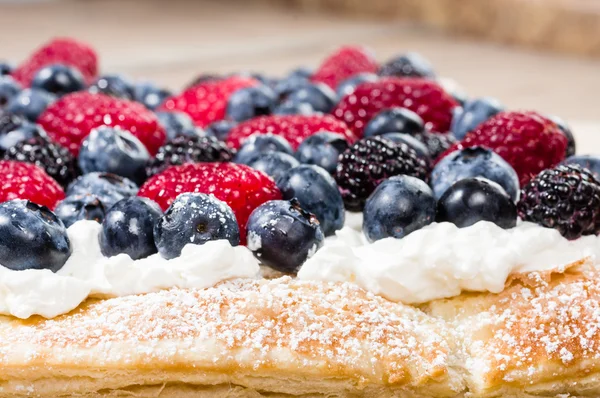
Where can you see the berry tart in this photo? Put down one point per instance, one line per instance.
(357, 230)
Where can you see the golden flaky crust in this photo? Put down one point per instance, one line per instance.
(288, 338)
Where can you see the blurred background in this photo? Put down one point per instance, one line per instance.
(534, 54)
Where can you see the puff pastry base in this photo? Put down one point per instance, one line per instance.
(540, 337)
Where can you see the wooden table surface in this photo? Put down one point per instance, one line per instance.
(172, 41)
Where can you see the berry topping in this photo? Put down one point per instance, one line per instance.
(477, 199)
(9, 88)
(80, 207)
(316, 192)
(293, 107)
(250, 102)
(207, 101)
(474, 162)
(322, 149)
(114, 150)
(436, 143)
(424, 97)
(320, 97)
(10, 121)
(590, 162)
(395, 120)
(398, 206)
(195, 218)
(178, 123)
(220, 129)
(20, 180)
(149, 95)
(273, 164)
(411, 141)
(185, 149)
(343, 64)
(113, 85)
(58, 80)
(21, 133)
(364, 165)
(56, 160)
(348, 86)
(129, 228)
(32, 237)
(294, 128)
(407, 65)
(259, 144)
(241, 187)
(566, 198)
(528, 141)
(283, 236)
(30, 103)
(109, 188)
(70, 119)
(471, 114)
(6, 68)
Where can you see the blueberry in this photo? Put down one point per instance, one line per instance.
(398, 206)
(472, 114)
(114, 150)
(288, 85)
(179, 123)
(411, 141)
(273, 164)
(149, 94)
(395, 120)
(282, 235)
(261, 143)
(220, 129)
(250, 102)
(5, 68)
(348, 86)
(320, 97)
(110, 188)
(317, 192)
(113, 85)
(23, 132)
(474, 162)
(195, 218)
(9, 88)
(80, 207)
(32, 237)
(303, 72)
(129, 228)
(322, 149)
(477, 199)
(407, 65)
(566, 130)
(58, 80)
(590, 162)
(293, 107)
(30, 103)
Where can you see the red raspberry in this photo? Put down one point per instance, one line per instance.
(207, 102)
(343, 64)
(59, 51)
(240, 186)
(294, 128)
(528, 141)
(424, 97)
(27, 181)
(70, 119)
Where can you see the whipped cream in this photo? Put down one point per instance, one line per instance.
(441, 260)
(88, 273)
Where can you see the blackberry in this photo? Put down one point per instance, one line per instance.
(363, 166)
(186, 149)
(566, 198)
(56, 160)
(436, 143)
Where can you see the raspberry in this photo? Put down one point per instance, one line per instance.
(20, 180)
(343, 64)
(294, 128)
(566, 198)
(207, 102)
(436, 143)
(364, 165)
(424, 97)
(59, 51)
(70, 119)
(56, 160)
(528, 141)
(240, 186)
(185, 149)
